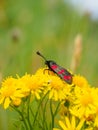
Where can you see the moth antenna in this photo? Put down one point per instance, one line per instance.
(38, 53)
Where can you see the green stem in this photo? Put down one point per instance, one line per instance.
(52, 115)
(44, 115)
(38, 108)
(28, 113)
(56, 109)
(24, 121)
(33, 116)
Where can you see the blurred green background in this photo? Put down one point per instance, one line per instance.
(51, 27)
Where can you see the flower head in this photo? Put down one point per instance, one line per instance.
(9, 92)
(57, 88)
(80, 81)
(83, 105)
(31, 85)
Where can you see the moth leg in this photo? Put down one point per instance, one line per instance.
(46, 70)
(49, 70)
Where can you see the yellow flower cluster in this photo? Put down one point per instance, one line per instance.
(14, 89)
(83, 107)
(79, 101)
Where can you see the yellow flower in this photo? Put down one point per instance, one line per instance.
(9, 92)
(71, 124)
(37, 86)
(31, 84)
(80, 81)
(57, 88)
(16, 102)
(83, 104)
(23, 83)
(43, 75)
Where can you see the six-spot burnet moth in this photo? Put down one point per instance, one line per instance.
(60, 71)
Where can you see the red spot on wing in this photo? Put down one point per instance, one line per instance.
(68, 77)
(54, 66)
(61, 71)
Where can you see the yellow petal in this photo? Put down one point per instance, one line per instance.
(67, 122)
(6, 103)
(80, 124)
(1, 100)
(55, 95)
(73, 122)
(62, 125)
(51, 94)
(37, 95)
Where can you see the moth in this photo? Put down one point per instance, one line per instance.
(60, 71)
